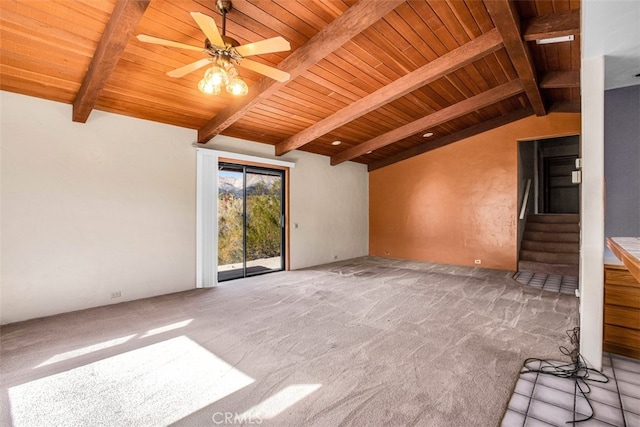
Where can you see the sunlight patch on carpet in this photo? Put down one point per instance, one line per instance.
(85, 350)
(166, 328)
(279, 402)
(157, 384)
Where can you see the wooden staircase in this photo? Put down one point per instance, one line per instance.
(551, 244)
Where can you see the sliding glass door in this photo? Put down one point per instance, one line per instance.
(250, 221)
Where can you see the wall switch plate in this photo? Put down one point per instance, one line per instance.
(576, 177)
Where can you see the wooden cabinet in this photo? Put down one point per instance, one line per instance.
(621, 311)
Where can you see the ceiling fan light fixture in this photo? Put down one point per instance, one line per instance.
(237, 87)
(224, 54)
(216, 76)
(208, 88)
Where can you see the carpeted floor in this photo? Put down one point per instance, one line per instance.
(364, 342)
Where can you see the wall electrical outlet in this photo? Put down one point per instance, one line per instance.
(335, 257)
(478, 261)
(116, 294)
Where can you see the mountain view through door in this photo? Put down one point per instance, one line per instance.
(250, 221)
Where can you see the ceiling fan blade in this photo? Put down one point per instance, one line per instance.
(208, 27)
(183, 71)
(275, 44)
(155, 40)
(273, 73)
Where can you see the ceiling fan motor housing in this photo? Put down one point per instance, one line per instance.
(226, 54)
(228, 43)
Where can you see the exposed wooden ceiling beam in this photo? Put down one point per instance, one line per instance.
(553, 25)
(566, 107)
(467, 106)
(464, 55)
(122, 23)
(560, 79)
(506, 20)
(451, 138)
(352, 22)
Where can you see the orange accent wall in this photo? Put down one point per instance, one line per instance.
(457, 203)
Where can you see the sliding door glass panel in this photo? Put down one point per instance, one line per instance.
(263, 221)
(230, 222)
(250, 221)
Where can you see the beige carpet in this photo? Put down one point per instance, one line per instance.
(364, 342)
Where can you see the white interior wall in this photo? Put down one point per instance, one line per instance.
(608, 28)
(91, 209)
(330, 204)
(592, 212)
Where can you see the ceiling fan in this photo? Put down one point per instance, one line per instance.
(224, 54)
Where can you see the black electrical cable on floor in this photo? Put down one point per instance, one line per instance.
(577, 370)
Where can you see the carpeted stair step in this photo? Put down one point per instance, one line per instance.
(551, 244)
(546, 246)
(552, 237)
(550, 257)
(553, 227)
(541, 267)
(548, 281)
(554, 218)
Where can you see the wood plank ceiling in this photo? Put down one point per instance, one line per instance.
(374, 74)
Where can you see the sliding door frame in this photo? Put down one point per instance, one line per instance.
(207, 207)
(281, 173)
